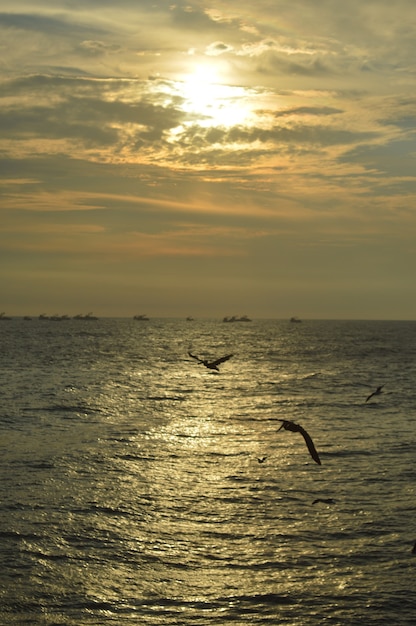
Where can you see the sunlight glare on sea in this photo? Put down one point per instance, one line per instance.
(132, 492)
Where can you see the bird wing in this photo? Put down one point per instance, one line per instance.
(310, 445)
(375, 393)
(222, 359)
(194, 356)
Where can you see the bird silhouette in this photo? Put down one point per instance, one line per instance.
(262, 459)
(211, 365)
(324, 500)
(295, 428)
(377, 392)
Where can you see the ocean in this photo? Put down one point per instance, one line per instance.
(131, 489)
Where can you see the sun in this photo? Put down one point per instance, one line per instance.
(211, 102)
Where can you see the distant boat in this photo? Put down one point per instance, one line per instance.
(59, 318)
(88, 316)
(56, 318)
(295, 320)
(3, 316)
(236, 318)
(27, 317)
(141, 318)
(189, 319)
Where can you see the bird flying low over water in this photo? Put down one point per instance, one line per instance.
(295, 428)
(262, 459)
(211, 365)
(377, 392)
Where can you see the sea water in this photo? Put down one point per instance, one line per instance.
(131, 490)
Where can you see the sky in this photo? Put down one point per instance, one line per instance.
(208, 158)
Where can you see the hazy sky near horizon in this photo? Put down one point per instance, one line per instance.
(208, 158)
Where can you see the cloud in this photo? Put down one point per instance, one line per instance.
(96, 48)
(52, 26)
(300, 145)
(217, 47)
(308, 110)
(51, 237)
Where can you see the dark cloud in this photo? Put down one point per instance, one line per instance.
(91, 113)
(307, 110)
(96, 48)
(279, 62)
(299, 134)
(394, 159)
(90, 121)
(191, 17)
(54, 123)
(218, 47)
(52, 26)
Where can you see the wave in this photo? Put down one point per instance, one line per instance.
(152, 481)
(164, 398)
(345, 452)
(232, 601)
(64, 408)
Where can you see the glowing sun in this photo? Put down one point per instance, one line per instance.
(210, 102)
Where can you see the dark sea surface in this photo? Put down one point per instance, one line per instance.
(131, 491)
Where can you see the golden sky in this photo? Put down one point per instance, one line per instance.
(208, 158)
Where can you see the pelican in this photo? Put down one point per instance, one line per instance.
(295, 428)
(211, 365)
(377, 392)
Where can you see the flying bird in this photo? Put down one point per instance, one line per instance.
(295, 428)
(262, 459)
(377, 392)
(211, 365)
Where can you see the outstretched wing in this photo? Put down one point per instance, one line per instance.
(375, 393)
(222, 359)
(310, 445)
(195, 357)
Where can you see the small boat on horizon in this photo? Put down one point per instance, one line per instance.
(236, 318)
(141, 318)
(295, 320)
(88, 316)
